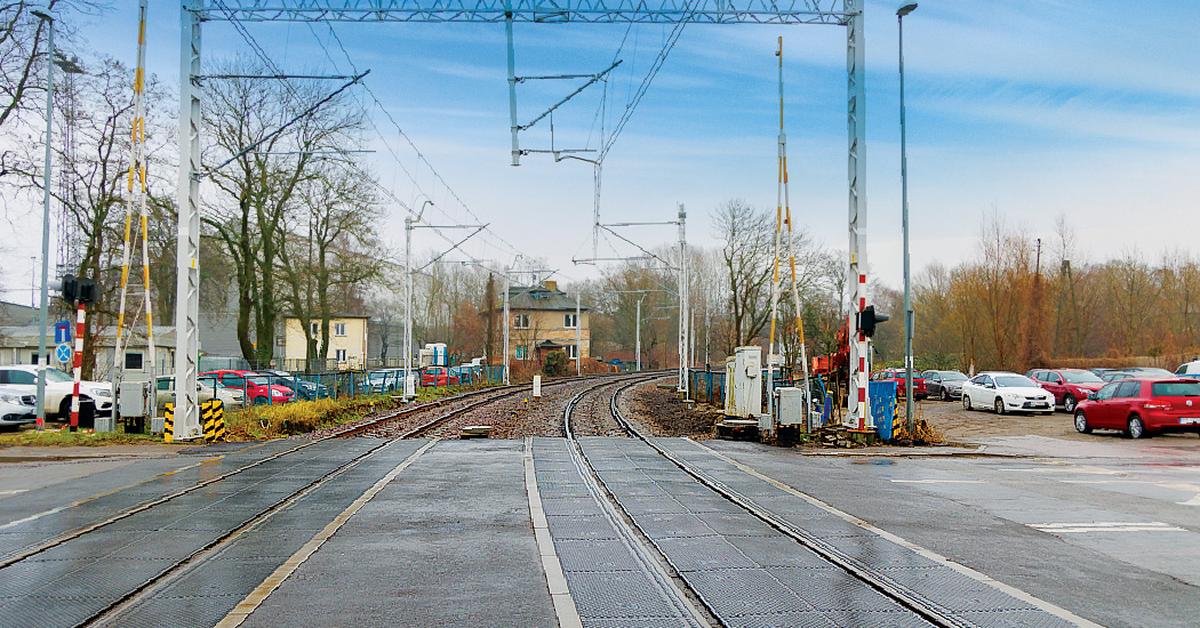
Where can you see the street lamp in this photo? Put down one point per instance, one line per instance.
(908, 310)
(42, 312)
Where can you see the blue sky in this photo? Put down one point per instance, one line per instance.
(1031, 109)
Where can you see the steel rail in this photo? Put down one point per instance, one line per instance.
(671, 585)
(911, 600)
(178, 568)
(75, 533)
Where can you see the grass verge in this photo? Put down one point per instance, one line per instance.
(301, 417)
(55, 437)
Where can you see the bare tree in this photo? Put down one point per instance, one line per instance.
(746, 235)
(261, 185)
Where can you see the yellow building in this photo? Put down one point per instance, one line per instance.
(347, 342)
(543, 319)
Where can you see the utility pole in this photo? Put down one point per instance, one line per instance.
(43, 311)
(507, 324)
(638, 332)
(908, 311)
(578, 336)
(409, 384)
(683, 303)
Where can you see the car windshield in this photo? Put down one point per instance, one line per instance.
(55, 375)
(1175, 389)
(953, 376)
(1014, 381)
(1081, 377)
(261, 380)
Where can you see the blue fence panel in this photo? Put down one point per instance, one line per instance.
(883, 407)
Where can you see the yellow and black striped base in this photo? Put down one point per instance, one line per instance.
(212, 417)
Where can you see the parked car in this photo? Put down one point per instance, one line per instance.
(438, 376)
(897, 375)
(256, 388)
(208, 387)
(383, 381)
(1006, 392)
(1149, 372)
(1113, 375)
(59, 388)
(944, 385)
(1070, 386)
(1142, 407)
(16, 408)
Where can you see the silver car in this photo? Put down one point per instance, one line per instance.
(16, 409)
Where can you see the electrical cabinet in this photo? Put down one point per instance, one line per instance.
(747, 382)
(790, 408)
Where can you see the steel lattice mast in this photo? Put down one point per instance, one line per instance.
(136, 198)
(848, 13)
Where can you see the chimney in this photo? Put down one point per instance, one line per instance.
(551, 285)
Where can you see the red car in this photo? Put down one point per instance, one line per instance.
(438, 376)
(256, 386)
(1070, 386)
(1141, 407)
(897, 375)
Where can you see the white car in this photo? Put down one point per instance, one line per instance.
(59, 387)
(207, 389)
(16, 409)
(1003, 392)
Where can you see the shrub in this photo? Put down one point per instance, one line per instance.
(555, 364)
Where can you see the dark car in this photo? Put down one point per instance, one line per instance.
(1070, 386)
(1113, 375)
(944, 385)
(1142, 407)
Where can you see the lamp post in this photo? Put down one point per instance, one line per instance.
(908, 310)
(409, 384)
(42, 312)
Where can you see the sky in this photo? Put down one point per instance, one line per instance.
(1029, 110)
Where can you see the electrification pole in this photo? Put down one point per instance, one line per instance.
(507, 324)
(638, 332)
(578, 336)
(908, 309)
(43, 310)
(409, 384)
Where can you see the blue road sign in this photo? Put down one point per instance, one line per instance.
(63, 353)
(62, 332)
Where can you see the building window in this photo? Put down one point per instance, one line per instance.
(339, 329)
(572, 351)
(521, 321)
(570, 321)
(314, 328)
(522, 354)
(133, 361)
(340, 355)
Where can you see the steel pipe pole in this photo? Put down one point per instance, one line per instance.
(908, 309)
(43, 310)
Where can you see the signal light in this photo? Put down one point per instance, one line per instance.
(868, 318)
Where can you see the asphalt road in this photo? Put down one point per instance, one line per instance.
(1108, 529)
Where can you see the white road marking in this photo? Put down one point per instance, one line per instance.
(938, 481)
(1106, 526)
(560, 594)
(1195, 501)
(13, 491)
(251, 602)
(1072, 469)
(977, 576)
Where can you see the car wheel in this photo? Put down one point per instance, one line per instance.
(999, 406)
(966, 401)
(1136, 428)
(1081, 424)
(1069, 404)
(945, 395)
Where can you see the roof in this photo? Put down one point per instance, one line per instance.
(26, 336)
(540, 298)
(316, 319)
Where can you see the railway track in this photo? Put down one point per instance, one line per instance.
(68, 540)
(918, 604)
(915, 603)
